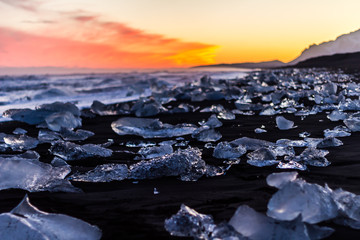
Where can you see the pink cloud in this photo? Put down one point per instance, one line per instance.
(122, 47)
(29, 5)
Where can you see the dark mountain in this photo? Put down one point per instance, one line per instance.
(269, 64)
(344, 60)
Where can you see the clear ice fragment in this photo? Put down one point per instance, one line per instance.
(284, 124)
(103, 173)
(20, 142)
(226, 150)
(153, 152)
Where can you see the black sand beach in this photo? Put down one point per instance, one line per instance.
(130, 210)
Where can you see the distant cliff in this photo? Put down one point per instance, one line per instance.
(269, 64)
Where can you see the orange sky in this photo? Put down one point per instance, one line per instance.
(161, 33)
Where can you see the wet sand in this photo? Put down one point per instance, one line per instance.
(130, 210)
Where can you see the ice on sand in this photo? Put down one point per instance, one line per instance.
(153, 151)
(284, 124)
(150, 128)
(186, 163)
(103, 173)
(257, 226)
(20, 142)
(71, 151)
(27, 222)
(189, 223)
(226, 150)
(33, 175)
(262, 157)
(59, 120)
(206, 134)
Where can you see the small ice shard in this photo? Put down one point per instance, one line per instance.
(225, 231)
(337, 115)
(33, 175)
(147, 108)
(353, 123)
(168, 142)
(186, 163)
(259, 130)
(268, 111)
(214, 171)
(257, 226)
(27, 222)
(189, 223)
(19, 131)
(226, 115)
(71, 151)
(283, 150)
(297, 198)
(251, 143)
(106, 110)
(313, 142)
(103, 173)
(329, 142)
(79, 135)
(156, 192)
(38, 115)
(205, 134)
(348, 205)
(20, 142)
(48, 136)
(339, 131)
(279, 180)
(181, 144)
(153, 152)
(284, 124)
(291, 143)
(58, 162)
(291, 165)
(226, 150)
(150, 128)
(140, 143)
(59, 120)
(313, 157)
(304, 134)
(209, 145)
(213, 122)
(262, 157)
(32, 155)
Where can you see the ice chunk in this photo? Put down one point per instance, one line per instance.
(150, 128)
(206, 134)
(348, 205)
(259, 130)
(225, 231)
(337, 115)
(59, 120)
(48, 136)
(312, 202)
(38, 115)
(213, 171)
(153, 152)
(27, 222)
(283, 150)
(103, 173)
(284, 124)
(353, 123)
(106, 110)
(329, 142)
(32, 155)
(33, 175)
(251, 143)
(147, 108)
(262, 157)
(339, 131)
(186, 163)
(313, 157)
(19, 131)
(291, 143)
(213, 122)
(268, 111)
(228, 150)
(304, 134)
(292, 165)
(71, 151)
(189, 223)
(79, 135)
(226, 115)
(257, 226)
(140, 144)
(279, 180)
(20, 142)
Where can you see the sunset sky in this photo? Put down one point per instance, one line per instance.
(166, 33)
